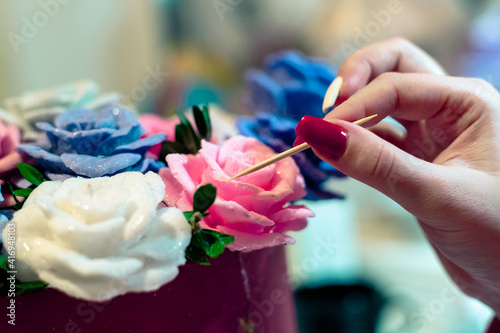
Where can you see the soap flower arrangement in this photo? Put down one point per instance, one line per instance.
(290, 86)
(96, 207)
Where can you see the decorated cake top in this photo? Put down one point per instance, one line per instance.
(97, 215)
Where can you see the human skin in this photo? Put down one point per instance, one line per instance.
(445, 170)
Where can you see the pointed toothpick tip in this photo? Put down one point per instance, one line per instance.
(287, 153)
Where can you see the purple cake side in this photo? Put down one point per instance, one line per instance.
(239, 290)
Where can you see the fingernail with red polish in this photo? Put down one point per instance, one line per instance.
(327, 138)
(298, 141)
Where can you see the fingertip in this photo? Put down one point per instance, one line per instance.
(298, 141)
(352, 84)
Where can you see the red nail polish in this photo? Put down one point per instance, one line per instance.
(327, 138)
(298, 141)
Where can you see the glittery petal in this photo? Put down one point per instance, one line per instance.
(80, 142)
(120, 137)
(91, 166)
(140, 146)
(50, 162)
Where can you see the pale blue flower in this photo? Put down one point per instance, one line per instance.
(93, 144)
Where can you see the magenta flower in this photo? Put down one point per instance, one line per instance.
(154, 124)
(9, 158)
(254, 208)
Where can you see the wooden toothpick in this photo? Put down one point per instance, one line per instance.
(287, 153)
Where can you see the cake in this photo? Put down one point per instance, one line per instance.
(115, 237)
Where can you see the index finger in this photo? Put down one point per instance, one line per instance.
(442, 101)
(394, 55)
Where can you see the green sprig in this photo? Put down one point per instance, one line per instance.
(32, 175)
(205, 243)
(187, 140)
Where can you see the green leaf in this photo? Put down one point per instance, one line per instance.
(216, 249)
(31, 174)
(206, 116)
(200, 242)
(188, 215)
(197, 256)
(3, 262)
(210, 242)
(184, 137)
(171, 147)
(204, 197)
(226, 239)
(24, 192)
(23, 287)
(183, 119)
(184, 133)
(205, 243)
(202, 120)
(11, 190)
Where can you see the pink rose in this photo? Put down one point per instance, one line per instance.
(252, 208)
(9, 158)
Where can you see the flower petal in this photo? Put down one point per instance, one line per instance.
(84, 120)
(120, 137)
(140, 146)
(77, 142)
(92, 166)
(50, 162)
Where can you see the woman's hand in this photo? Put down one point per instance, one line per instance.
(445, 169)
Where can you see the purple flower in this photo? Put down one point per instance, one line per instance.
(291, 85)
(93, 144)
(279, 134)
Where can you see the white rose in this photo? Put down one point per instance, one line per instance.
(99, 238)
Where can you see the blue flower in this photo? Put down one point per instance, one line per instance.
(5, 217)
(279, 133)
(291, 85)
(92, 144)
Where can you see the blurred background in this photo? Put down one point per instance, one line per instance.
(162, 55)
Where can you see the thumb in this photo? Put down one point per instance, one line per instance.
(366, 157)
